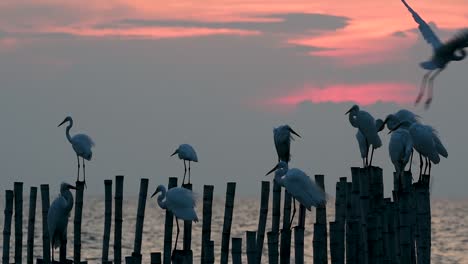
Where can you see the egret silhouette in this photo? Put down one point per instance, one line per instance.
(81, 144)
(443, 54)
(186, 152)
(282, 138)
(400, 149)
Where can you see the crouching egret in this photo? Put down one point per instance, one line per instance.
(400, 149)
(81, 144)
(282, 138)
(57, 217)
(180, 202)
(186, 152)
(300, 186)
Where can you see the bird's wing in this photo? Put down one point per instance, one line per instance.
(362, 143)
(303, 189)
(459, 41)
(180, 198)
(424, 28)
(83, 139)
(187, 152)
(406, 115)
(366, 123)
(438, 144)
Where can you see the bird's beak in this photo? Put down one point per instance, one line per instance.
(72, 187)
(391, 130)
(155, 192)
(383, 125)
(175, 152)
(65, 120)
(348, 111)
(272, 170)
(294, 132)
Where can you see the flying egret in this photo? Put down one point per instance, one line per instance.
(186, 152)
(366, 124)
(300, 186)
(57, 217)
(443, 53)
(81, 144)
(179, 201)
(282, 137)
(400, 149)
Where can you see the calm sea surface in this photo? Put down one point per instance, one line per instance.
(449, 229)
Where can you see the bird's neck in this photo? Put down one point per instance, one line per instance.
(69, 198)
(67, 131)
(279, 178)
(162, 199)
(352, 119)
(459, 57)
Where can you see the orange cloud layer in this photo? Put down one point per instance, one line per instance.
(364, 94)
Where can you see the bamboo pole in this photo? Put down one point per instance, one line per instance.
(285, 248)
(18, 197)
(353, 252)
(236, 250)
(276, 213)
(424, 220)
(350, 244)
(387, 233)
(404, 217)
(352, 241)
(364, 205)
(7, 226)
(155, 258)
(396, 225)
(251, 246)
(31, 222)
(107, 219)
(320, 228)
(168, 224)
(340, 218)
(77, 222)
(334, 242)
(272, 247)
(119, 180)
(140, 219)
(187, 226)
(207, 214)
(209, 252)
(45, 230)
(265, 194)
(228, 210)
(299, 244)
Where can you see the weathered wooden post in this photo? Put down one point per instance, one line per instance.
(251, 247)
(334, 242)
(140, 220)
(31, 222)
(276, 213)
(364, 205)
(372, 238)
(320, 228)
(388, 234)
(187, 227)
(7, 226)
(207, 213)
(265, 194)
(396, 226)
(404, 217)
(107, 220)
(377, 208)
(118, 219)
(168, 224)
(45, 230)
(424, 220)
(340, 218)
(18, 196)
(272, 247)
(236, 250)
(285, 248)
(155, 258)
(299, 244)
(353, 219)
(209, 252)
(77, 222)
(228, 210)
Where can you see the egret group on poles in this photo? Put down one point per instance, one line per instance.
(82, 145)
(186, 152)
(443, 53)
(57, 217)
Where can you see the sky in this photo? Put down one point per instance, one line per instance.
(142, 76)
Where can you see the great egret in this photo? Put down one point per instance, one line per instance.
(361, 139)
(186, 152)
(57, 217)
(179, 201)
(400, 149)
(299, 185)
(282, 138)
(81, 144)
(443, 53)
(366, 124)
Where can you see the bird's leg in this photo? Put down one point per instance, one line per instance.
(185, 172)
(411, 160)
(431, 88)
(420, 166)
(52, 252)
(84, 173)
(430, 165)
(372, 155)
(177, 236)
(367, 153)
(425, 167)
(189, 171)
(78, 176)
(364, 162)
(423, 87)
(294, 212)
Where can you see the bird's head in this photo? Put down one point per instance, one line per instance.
(391, 121)
(159, 189)
(67, 119)
(379, 124)
(404, 123)
(280, 166)
(66, 186)
(175, 152)
(353, 109)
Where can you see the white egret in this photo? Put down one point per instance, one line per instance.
(366, 124)
(81, 144)
(400, 149)
(186, 152)
(361, 139)
(282, 138)
(300, 186)
(443, 53)
(57, 217)
(179, 201)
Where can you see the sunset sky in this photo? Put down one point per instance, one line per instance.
(142, 76)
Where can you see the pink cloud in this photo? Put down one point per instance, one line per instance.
(363, 94)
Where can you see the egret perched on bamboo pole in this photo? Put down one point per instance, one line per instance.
(282, 138)
(300, 186)
(186, 152)
(81, 144)
(57, 217)
(443, 53)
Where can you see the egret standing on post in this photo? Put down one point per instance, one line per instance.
(186, 152)
(81, 144)
(400, 149)
(443, 53)
(282, 137)
(299, 185)
(57, 217)
(179, 201)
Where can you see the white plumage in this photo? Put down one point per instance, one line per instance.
(282, 138)
(400, 148)
(186, 152)
(57, 217)
(82, 145)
